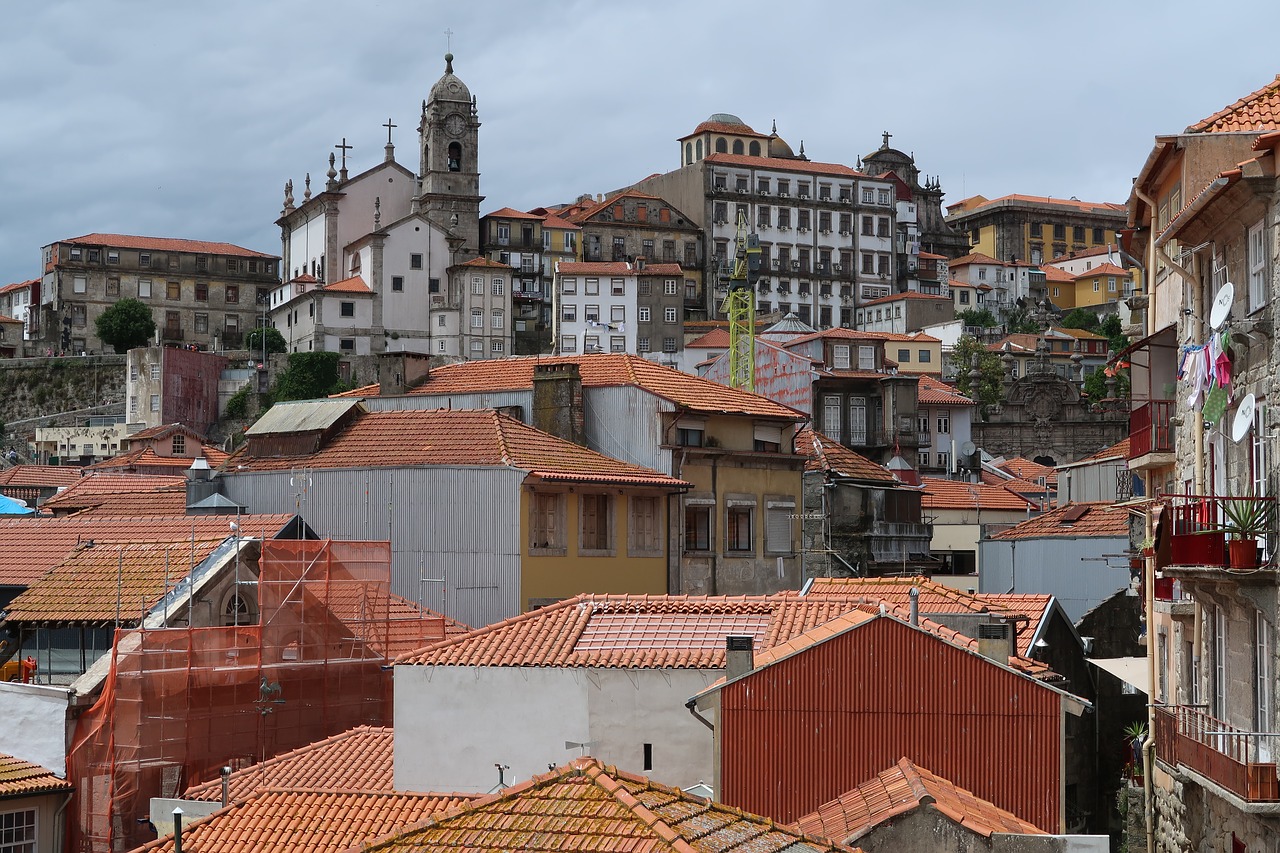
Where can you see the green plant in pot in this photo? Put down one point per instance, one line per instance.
(1246, 519)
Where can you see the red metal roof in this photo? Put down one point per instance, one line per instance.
(904, 788)
(458, 437)
(166, 244)
(20, 778)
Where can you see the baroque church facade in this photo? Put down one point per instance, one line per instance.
(387, 260)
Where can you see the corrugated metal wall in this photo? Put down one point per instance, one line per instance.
(459, 528)
(624, 422)
(805, 730)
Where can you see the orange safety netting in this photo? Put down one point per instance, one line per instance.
(180, 703)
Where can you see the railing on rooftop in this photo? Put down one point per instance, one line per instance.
(1150, 430)
(1218, 751)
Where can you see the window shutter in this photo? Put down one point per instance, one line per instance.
(589, 521)
(765, 432)
(778, 531)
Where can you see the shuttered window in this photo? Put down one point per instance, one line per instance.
(777, 533)
(546, 524)
(644, 530)
(596, 522)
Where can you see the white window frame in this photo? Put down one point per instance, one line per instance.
(642, 314)
(840, 356)
(669, 315)
(568, 343)
(569, 286)
(22, 835)
(1257, 256)
(1262, 684)
(670, 287)
(477, 318)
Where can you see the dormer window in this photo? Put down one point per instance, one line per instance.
(179, 445)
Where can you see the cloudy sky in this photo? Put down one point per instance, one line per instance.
(185, 119)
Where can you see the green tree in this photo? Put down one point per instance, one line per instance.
(988, 390)
(1020, 322)
(1095, 385)
(275, 341)
(1081, 318)
(126, 324)
(308, 376)
(1113, 330)
(977, 317)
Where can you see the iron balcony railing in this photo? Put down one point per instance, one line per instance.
(1149, 428)
(1219, 751)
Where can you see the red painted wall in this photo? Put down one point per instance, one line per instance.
(801, 732)
(190, 393)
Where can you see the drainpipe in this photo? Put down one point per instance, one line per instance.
(59, 825)
(714, 532)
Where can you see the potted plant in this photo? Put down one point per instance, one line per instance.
(1245, 520)
(1135, 734)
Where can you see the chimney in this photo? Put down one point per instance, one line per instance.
(640, 263)
(739, 656)
(201, 482)
(400, 371)
(557, 401)
(915, 606)
(995, 641)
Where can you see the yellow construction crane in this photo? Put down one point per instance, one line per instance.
(740, 306)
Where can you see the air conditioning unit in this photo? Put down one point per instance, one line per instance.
(795, 266)
(844, 233)
(826, 230)
(783, 194)
(803, 230)
(742, 190)
(775, 263)
(763, 191)
(784, 227)
(836, 267)
(804, 195)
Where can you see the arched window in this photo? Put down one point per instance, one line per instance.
(755, 148)
(236, 611)
(699, 149)
(737, 146)
(722, 147)
(688, 153)
(455, 157)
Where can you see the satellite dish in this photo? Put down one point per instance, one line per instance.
(967, 448)
(1243, 420)
(1221, 305)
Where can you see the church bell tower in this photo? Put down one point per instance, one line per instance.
(450, 166)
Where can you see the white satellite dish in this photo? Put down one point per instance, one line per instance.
(1243, 420)
(1221, 307)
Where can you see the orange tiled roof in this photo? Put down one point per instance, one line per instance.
(1104, 269)
(45, 476)
(4, 318)
(106, 582)
(1120, 449)
(930, 256)
(617, 268)
(902, 789)
(860, 335)
(355, 284)
(586, 806)
(33, 546)
(18, 285)
(973, 258)
(553, 221)
(955, 494)
(1074, 520)
(459, 437)
(602, 370)
(359, 759)
(1026, 469)
(823, 454)
(910, 294)
(962, 206)
(162, 431)
(146, 458)
(484, 262)
(1085, 253)
(122, 495)
(1020, 485)
(785, 164)
(714, 339)
(284, 821)
(1052, 273)
(511, 213)
(20, 778)
(1256, 111)
(588, 208)
(935, 392)
(167, 244)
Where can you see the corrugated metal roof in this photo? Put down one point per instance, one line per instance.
(301, 416)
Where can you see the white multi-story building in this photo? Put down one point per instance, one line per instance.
(620, 307)
(16, 301)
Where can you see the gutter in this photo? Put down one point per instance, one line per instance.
(692, 705)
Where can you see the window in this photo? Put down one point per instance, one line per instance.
(546, 522)
(591, 343)
(569, 313)
(497, 346)
(477, 346)
(477, 318)
(591, 287)
(617, 286)
(1037, 229)
(697, 527)
(1257, 251)
(231, 295)
(415, 261)
(202, 263)
(1262, 671)
(642, 345)
(154, 372)
(113, 286)
(94, 254)
(904, 355)
(79, 284)
(866, 358)
(868, 195)
(1111, 284)
(944, 461)
(233, 265)
(1059, 232)
(617, 313)
(397, 283)
(617, 343)
(498, 286)
(570, 241)
(924, 356)
(77, 315)
(77, 253)
(642, 313)
(644, 531)
(690, 434)
(495, 320)
(441, 320)
(433, 285)
(882, 226)
(644, 287)
(868, 226)
(155, 402)
(591, 313)
(882, 196)
(868, 263)
(569, 286)
(671, 287)
(597, 522)
(144, 259)
(668, 344)
(840, 356)
(738, 529)
(944, 424)
(347, 309)
(924, 459)
(1077, 234)
(477, 286)
(777, 526)
(173, 291)
(882, 265)
(1097, 286)
(669, 315)
(964, 297)
(831, 416)
(568, 343)
(202, 323)
(18, 831)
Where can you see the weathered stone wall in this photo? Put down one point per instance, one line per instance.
(1189, 817)
(38, 387)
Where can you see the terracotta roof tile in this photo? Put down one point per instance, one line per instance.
(146, 460)
(1052, 273)
(1072, 521)
(617, 268)
(553, 221)
(4, 318)
(1104, 269)
(161, 431)
(511, 213)
(586, 806)
(1028, 469)
(458, 437)
(45, 476)
(910, 294)
(283, 821)
(358, 759)
(823, 454)
(935, 392)
(603, 370)
(956, 494)
(33, 546)
(714, 339)
(785, 164)
(166, 244)
(18, 285)
(1119, 449)
(20, 778)
(105, 581)
(973, 258)
(355, 284)
(140, 494)
(486, 263)
(930, 256)
(902, 789)
(1256, 111)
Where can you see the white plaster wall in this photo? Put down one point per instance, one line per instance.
(453, 724)
(35, 724)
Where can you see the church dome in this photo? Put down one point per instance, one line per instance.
(778, 147)
(726, 118)
(449, 87)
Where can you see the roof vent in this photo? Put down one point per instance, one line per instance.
(739, 655)
(995, 641)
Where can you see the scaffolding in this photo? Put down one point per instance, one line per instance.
(178, 704)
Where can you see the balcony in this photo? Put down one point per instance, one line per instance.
(924, 438)
(171, 333)
(1217, 751)
(1198, 527)
(232, 337)
(1150, 430)
(869, 436)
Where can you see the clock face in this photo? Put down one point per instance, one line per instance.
(454, 125)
